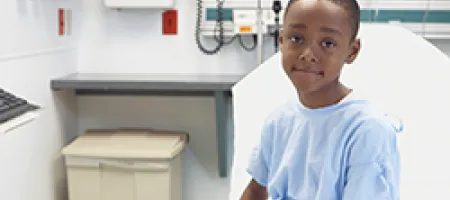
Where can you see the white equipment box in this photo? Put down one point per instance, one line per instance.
(246, 22)
(161, 4)
(125, 164)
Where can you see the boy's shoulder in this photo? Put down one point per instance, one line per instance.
(282, 112)
(356, 107)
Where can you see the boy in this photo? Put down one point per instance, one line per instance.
(328, 144)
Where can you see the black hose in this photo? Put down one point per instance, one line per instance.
(224, 42)
(220, 40)
(255, 42)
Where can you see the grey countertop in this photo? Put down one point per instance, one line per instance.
(162, 82)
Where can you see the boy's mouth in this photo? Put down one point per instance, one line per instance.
(307, 71)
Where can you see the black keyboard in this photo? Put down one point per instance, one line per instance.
(12, 106)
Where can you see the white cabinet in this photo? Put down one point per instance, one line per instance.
(125, 165)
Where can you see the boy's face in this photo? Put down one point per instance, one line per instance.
(316, 41)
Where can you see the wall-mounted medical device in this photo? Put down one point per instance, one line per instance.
(157, 4)
(245, 22)
(428, 18)
(228, 20)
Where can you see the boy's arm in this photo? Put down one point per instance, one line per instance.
(374, 164)
(259, 167)
(254, 191)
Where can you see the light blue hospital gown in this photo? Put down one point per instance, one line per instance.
(347, 151)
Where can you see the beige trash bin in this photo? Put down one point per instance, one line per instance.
(125, 165)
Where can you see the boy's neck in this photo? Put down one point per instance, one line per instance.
(325, 97)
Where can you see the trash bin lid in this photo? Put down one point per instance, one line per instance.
(127, 144)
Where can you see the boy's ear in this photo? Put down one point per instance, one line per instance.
(355, 48)
(280, 37)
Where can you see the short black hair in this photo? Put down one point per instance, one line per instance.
(351, 6)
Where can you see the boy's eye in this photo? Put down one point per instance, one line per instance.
(328, 44)
(296, 39)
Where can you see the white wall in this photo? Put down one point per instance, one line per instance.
(132, 42)
(30, 55)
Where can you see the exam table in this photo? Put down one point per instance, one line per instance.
(398, 70)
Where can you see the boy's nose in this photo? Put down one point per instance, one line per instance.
(308, 55)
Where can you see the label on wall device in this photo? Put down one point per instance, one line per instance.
(245, 29)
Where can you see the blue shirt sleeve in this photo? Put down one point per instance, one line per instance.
(260, 157)
(373, 164)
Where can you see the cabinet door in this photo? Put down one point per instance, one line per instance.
(117, 184)
(83, 183)
(152, 185)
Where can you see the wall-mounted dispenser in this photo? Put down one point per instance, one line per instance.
(155, 4)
